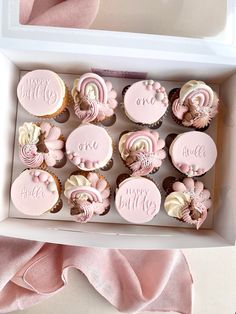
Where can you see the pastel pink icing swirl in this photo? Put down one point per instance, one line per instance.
(199, 204)
(89, 109)
(30, 156)
(98, 198)
(144, 161)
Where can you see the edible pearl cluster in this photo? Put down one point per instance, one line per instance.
(191, 170)
(81, 162)
(160, 91)
(41, 176)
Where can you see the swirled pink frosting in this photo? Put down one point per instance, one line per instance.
(97, 198)
(142, 151)
(200, 201)
(29, 156)
(97, 106)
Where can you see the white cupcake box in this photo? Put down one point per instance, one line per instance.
(166, 58)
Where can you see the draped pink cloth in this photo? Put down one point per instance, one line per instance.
(61, 13)
(130, 280)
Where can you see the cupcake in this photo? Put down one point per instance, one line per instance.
(88, 194)
(137, 199)
(35, 192)
(193, 153)
(42, 93)
(40, 144)
(89, 147)
(142, 151)
(146, 102)
(188, 201)
(95, 99)
(194, 105)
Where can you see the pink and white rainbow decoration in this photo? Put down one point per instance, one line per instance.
(197, 104)
(97, 98)
(151, 154)
(89, 200)
(199, 200)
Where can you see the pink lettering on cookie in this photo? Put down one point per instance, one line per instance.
(36, 193)
(198, 151)
(88, 146)
(144, 101)
(38, 89)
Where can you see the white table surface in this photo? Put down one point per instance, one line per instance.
(214, 274)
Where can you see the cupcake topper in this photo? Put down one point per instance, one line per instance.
(97, 98)
(197, 104)
(145, 151)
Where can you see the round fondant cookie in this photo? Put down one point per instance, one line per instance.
(142, 151)
(42, 93)
(40, 144)
(145, 102)
(35, 192)
(88, 194)
(193, 153)
(89, 147)
(137, 199)
(95, 98)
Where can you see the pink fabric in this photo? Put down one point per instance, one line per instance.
(60, 13)
(130, 280)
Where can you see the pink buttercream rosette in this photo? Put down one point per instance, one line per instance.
(86, 201)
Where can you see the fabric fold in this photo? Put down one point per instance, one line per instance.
(131, 280)
(59, 13)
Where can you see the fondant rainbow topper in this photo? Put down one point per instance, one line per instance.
(94, 98)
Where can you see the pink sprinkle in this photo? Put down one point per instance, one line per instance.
(35, 179)
(37, 173)
(149, 87)
(162, 89)
(157, 85)
(184, 168)
(43, 177)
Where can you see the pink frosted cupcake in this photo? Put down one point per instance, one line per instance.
(194, 105)
(137, 199)
(146, 103)
(188, 201)
(41, 144)
(43, 93)
(142, 151)
(95, 98)
(89, 147)
(36, 191)
(193, 153)
(88, 194)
